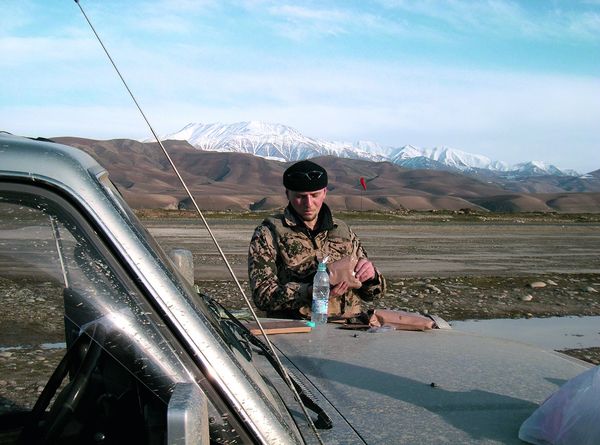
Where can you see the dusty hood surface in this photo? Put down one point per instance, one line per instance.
(436, 387)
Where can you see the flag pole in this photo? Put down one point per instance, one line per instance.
(361, 197)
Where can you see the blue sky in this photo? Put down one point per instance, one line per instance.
(512, 80)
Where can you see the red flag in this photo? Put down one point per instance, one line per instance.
(363, 183)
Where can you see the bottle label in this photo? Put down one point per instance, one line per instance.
(319, 306)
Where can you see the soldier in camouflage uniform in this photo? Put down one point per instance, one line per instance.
(286, 248)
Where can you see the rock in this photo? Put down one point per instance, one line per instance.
(551, 283)
(6, 354)
(529, 315)
(589, 289)
(537, 284)
(433, 288)
(527, 297)
(23, 293)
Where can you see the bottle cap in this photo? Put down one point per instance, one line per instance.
(323, 263)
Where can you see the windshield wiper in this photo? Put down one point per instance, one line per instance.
(323, 420)
(226, 326)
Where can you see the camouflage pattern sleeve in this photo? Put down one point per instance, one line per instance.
(268, 292)
(375, 287)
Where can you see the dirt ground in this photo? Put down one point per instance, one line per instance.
(443, 264)
(503, 266)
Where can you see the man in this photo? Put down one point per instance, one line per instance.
(286, 248)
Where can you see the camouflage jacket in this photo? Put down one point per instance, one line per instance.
(283, 258)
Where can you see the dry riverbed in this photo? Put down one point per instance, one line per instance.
(497, 267)
(452, 265)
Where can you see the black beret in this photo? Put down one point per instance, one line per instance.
(305, 176)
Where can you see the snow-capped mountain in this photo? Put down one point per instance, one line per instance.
(280, 142)
(272, 141)
(456, 159)
(534, 168)
(266, 140)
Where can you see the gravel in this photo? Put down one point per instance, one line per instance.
(455, 272)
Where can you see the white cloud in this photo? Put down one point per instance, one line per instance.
(301, 23)
(506, 18)
(20, 51)
(85, 121)
(586, 25)
(505, 115)
(14, 15)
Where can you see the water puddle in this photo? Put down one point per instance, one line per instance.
(554, 333)
(58, 345)
(11, 348)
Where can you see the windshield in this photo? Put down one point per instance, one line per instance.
(69, 308)
(236, 341)
(152, 246)
(48, 245)
(201, 301)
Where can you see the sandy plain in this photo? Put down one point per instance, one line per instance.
(433, 246)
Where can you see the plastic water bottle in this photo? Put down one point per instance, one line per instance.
(320, 296)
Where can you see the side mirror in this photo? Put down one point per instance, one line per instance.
(183, 260)
(187, 416)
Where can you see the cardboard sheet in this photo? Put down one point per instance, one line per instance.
(278, 327)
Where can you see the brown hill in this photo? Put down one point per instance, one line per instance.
(241, 182)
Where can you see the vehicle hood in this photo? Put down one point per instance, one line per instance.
(438, 386)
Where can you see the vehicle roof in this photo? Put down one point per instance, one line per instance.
(44, 158)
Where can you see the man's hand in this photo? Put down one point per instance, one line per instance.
(364, 270)
(339, 289)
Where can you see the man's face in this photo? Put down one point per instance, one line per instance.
(307, 204)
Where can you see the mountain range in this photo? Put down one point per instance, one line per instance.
(283, 143)
(236, 181)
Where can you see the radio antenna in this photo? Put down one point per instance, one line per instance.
(193, 201)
